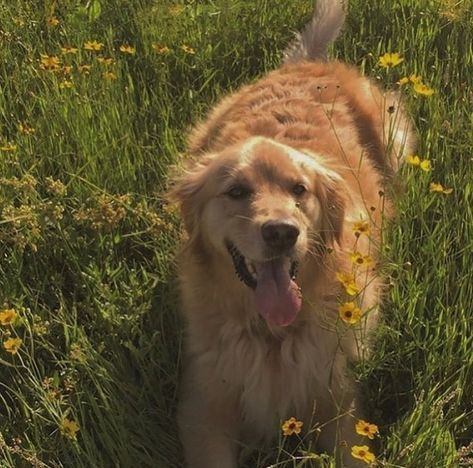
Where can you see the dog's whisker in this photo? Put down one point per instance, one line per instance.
(245, 218)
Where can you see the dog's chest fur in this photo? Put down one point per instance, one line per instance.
(274, 378)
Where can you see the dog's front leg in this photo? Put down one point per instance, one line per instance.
(208, 420)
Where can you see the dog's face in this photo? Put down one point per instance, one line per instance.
(267, 207)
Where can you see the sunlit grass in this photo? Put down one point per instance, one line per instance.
(95, 105)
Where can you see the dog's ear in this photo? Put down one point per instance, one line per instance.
(186, 191)
(332, 197)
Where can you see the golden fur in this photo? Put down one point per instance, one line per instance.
(325, 127)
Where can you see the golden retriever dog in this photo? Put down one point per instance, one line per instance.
(283, 203)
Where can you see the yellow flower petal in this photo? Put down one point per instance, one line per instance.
(403, 81)
(8, 147)
(414, 160)
(84, 68)
(437, 187)
(93, 45)
(109, 76)
(12, 345)
(69, 50)
(49, 62)
(66, 84)
(414, 79)
(349, 313)
(361, 227)
(366, 429)
(423, 89)
(25, 129)
(291, 426)
(69, 428)
(348, 282)
(52, 21)
(362, 452)
(187, 49)
(105, 60)
(160, 49)
(8, 316)
(126, 49)
(425, 165)
(389, 60)
(360, 260)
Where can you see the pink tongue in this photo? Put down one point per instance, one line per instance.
(277, 297)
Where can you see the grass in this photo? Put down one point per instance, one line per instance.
(87, 238)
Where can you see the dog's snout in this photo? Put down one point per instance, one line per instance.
(280, 235)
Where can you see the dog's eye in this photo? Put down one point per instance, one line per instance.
(238, 192)
(299, 189)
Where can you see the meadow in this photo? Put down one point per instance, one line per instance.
(96, 99)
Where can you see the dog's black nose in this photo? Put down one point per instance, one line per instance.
(280, 235)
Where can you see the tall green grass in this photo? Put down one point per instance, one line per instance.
(87, 239)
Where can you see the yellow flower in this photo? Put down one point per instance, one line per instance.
(349, 313)
(66, 84)
(437, 187)
(49, 62)
(362, 452)
(425, 165)
(93, 45)
(67, 69)
(69, 428)
(366, 429)
(105, 60)
(291, 426)
(187, 49)
(403, 81)
(69, 50)
(414, 79)
(52, 21)
(160, 49)
(12, 345)
(361, 227)
(348, 282)
(9, 147)
(423, 89)
(7, 316)
(360, 260)
(109, 76)
(25, 129)
(389, 60)
(413, 159)
(126, 49)
(84, 68)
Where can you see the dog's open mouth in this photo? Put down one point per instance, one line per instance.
(277, 296)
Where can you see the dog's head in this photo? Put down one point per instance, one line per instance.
(267, 207)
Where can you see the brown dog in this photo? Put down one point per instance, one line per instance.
(283, 205)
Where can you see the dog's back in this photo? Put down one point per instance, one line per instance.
(270, 107)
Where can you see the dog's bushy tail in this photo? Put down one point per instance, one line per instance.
(312, 43)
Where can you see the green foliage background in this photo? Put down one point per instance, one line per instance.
(87, 239)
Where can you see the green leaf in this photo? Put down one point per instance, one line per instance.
(95, 9)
